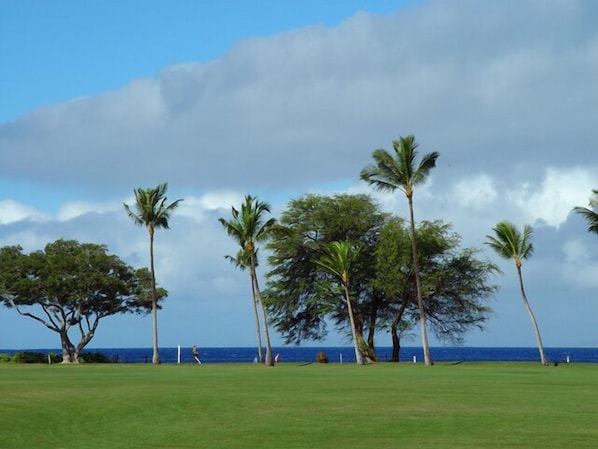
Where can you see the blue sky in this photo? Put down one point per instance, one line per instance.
(221, 99)
(54, 51)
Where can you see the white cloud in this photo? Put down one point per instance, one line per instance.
(73, 209)
(477, 192)
(551, 201)
(12, 211)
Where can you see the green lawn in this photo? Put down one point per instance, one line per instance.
(228, 406)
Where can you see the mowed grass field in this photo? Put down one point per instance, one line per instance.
(469, 405)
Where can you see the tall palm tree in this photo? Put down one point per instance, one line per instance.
(509, 243)
(248, 228)
(401, 171)
(337, 259)
(152, 211)
(590, 214)
(243, 261)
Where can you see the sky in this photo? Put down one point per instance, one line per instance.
(280, 99)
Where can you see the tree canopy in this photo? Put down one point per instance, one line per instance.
(303, 299)
(69, 287)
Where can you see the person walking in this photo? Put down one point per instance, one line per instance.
(195, 353)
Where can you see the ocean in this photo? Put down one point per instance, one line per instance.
(340, 354)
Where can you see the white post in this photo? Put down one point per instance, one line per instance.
(414, 359)
(179, 354)
(50, 360)
(341, 357)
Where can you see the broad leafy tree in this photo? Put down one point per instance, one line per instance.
(249, 227)
(456, 282)
(338, 258)
(510, 243)
(402, 171)
(69, 287)
(590, 214)
(301, 297)
(152, 211)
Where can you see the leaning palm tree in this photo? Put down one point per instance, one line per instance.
(509, 243)
(591, 213)
(337, 259)
(401, 171)
(243, 261)
(152, 211)
(248, 228)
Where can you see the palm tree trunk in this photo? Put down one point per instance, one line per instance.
(418, 287)
(156, 355)
(257, 322)
(543, 359)
(269, 361)
(358, 357)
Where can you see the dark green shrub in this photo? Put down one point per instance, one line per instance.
(93, 357)
(29, 357)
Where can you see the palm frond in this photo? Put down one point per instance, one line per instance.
(590, 214)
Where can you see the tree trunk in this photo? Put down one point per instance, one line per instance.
(371, 336)
(269, 361)
(543, 359)
(69, 354)
(156, 355)
(257, 322)
(394, 330)
(418, 285)
(396, 341)
(358, 357)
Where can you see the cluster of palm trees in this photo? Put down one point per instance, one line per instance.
(400, 170)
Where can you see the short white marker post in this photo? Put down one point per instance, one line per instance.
(179, 354)
(414, 359)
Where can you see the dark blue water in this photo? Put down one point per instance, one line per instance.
(295, 354)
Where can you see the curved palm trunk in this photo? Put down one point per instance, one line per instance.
(543, 359)
(156, 355)
(418, 287)
(257, 322)
(269, 361)
(358, 357)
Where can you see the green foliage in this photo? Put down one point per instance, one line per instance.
(590, 214)
(301, 296)
(71, 286)
(399, 170)
(30, 357)
(93, 357)
(455, 282)
(511, 243)
(249, 227)
(150, 208)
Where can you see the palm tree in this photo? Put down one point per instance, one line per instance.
(243, 261)
(509, 243)
(401, 171)
(590, 214)
(337, 259)
(248, 228)
(150, 210)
